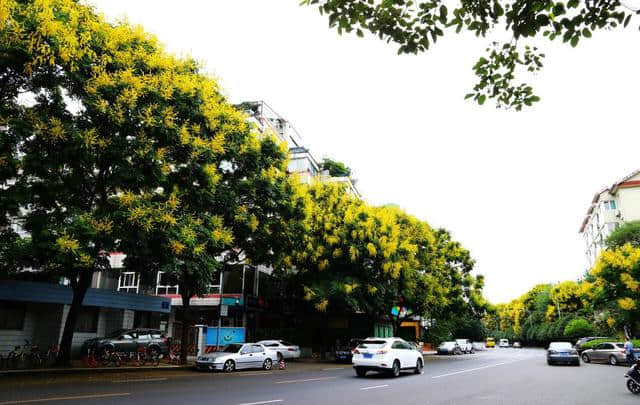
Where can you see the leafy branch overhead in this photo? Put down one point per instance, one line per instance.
(416, 25)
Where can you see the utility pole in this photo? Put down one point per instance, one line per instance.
(220, 310)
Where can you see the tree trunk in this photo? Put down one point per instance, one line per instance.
(79, 288)
(186, 326)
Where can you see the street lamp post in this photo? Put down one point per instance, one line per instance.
(220, 310)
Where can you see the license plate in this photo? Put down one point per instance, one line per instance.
(368, 355)
(564, 354)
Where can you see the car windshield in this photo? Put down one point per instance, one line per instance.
(234, 348)
(560, 346)
(445, 344)
(372, 344)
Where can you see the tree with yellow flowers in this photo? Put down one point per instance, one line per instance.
(107, 142)
(616, 286)
(358, 258)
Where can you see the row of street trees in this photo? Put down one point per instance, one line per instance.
(604, 303)
(107, 143)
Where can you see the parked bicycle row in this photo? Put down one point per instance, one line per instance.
(29, 356)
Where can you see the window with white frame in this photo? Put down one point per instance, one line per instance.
(610, 205)
(162, 286)
(129, 281)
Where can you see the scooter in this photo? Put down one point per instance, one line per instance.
(633, 378)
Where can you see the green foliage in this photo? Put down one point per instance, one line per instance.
(417, 25)
(335, 168)
(578, 328)
(629, 232)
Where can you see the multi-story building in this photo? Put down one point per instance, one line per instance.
(609, 208)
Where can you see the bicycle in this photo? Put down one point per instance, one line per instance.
(90, 359)
(174, 356)
(17, 358)
(34, 358)
(110, 358)
(52, 355)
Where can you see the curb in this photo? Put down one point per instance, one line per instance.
(97, 370)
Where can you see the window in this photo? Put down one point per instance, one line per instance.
(129, 281)
(11, 315)
(397, 345)
(87, 320)
(610, 205)
(256, 349)
(162, 286)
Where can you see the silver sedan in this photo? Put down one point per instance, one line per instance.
(237, 356)
(607, 352)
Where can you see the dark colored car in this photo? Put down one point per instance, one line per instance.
(562, 353)
(345, 353)
(129, 340)
(584, 340)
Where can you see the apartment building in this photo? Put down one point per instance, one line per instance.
(610, 208)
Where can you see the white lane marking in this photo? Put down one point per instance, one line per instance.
(69, 398)
(333, 368)
(139, 380)
(476, 369)
(263, 402)
(375, 386)
(305, 380)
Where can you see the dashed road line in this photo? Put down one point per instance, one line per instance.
(476, 369)
(374, 387)
(305, 380)
(68, 398)
(273, 401)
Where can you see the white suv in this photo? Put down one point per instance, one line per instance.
(390, 355)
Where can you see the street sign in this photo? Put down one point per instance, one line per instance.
(224, 310)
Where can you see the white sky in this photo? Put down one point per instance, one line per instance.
(512, 187)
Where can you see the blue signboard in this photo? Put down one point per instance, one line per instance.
(227, 336)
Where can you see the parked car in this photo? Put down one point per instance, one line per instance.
(282, 349)
(465, 345)
(237, 356)
(504, 343)
(517, 345)
(478, 346)
(449, 348)
(390, 355)
(490, 343)
(584, 340)
(129, 340)
(345, 353)
(607, 352)
(562, 352)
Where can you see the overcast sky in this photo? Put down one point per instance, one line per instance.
(513, 187)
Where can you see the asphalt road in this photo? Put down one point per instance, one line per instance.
(497, 376)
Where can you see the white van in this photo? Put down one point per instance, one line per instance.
(504, 343)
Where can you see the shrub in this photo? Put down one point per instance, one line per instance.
(578, 328)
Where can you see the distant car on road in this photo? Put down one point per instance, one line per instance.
(129, 340)
(237, 356)
(490, 342)
(584, 340)
(390, 355)
(517, 345)
(344, 353)
(282, 349)
(449, 348)
(562, 352)
(504, 343)
(607, 352)
(465, 345)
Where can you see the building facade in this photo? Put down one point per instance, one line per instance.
(609, 209)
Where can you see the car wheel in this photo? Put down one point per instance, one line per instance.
(361, 372)
(613, 360)
(473, 351)
(267, 364)
(229, 366)
(395, 369)
(585, 358)
(419, 366)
